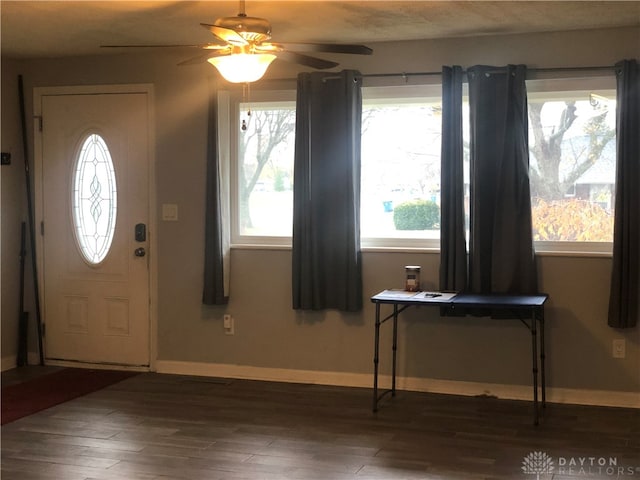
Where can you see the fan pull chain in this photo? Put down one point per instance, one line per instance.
(246, 98)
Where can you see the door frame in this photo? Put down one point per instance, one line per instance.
(38, 183)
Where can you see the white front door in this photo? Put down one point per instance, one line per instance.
(95, 158)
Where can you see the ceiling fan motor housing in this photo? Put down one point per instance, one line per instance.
(252, 29)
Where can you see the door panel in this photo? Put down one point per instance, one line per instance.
(96, 312)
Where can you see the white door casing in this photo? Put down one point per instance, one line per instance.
(95, 313)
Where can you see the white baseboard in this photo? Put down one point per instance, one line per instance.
(452, 387)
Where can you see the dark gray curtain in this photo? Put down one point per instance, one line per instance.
(501, 258)
(214, 291)
(624, 299)
(327, 265)
(453, 248)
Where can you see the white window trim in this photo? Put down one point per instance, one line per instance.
(580, 86)
(397, 94)
(274, 93)
(228, 144)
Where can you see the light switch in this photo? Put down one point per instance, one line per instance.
(169, 212)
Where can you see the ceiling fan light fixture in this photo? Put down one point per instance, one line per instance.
(242, 67)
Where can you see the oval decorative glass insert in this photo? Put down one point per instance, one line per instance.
(94, 199)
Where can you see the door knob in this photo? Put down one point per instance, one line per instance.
(139, 252)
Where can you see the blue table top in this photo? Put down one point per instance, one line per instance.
(492, 300)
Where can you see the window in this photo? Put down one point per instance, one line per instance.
(264, 132)
(572, 163)
(572, 156)
(94, 199)
(400, 166)
(400, 188)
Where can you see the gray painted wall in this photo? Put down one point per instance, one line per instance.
(269, 334)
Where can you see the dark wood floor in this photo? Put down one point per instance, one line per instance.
(154, 427)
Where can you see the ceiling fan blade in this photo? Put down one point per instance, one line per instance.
(327, 47)
(205, 45)
(204, 57)
(226, 34)
(306, 60)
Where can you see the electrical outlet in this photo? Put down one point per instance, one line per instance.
(619, 348)
(228, 324)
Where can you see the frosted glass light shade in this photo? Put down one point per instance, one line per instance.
(242, 67)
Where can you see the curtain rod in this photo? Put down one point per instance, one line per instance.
(529, 70)
(464, 71)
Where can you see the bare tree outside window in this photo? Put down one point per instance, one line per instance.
(572, 169)
(265, 150)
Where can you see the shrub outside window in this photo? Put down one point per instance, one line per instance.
(400, 186)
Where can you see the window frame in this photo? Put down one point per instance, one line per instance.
(387, 92)
(578, 86)
(229, 117)
(273, 93)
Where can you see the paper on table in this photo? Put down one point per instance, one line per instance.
(439, 296)
(424, 296)
(396, 294)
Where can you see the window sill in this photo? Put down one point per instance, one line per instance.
(574, 251)
(258, 246)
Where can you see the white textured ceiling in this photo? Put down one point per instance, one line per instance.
(69, 28)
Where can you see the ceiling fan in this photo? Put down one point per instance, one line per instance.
(243, 51)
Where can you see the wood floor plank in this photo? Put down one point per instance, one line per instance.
(169, 427)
